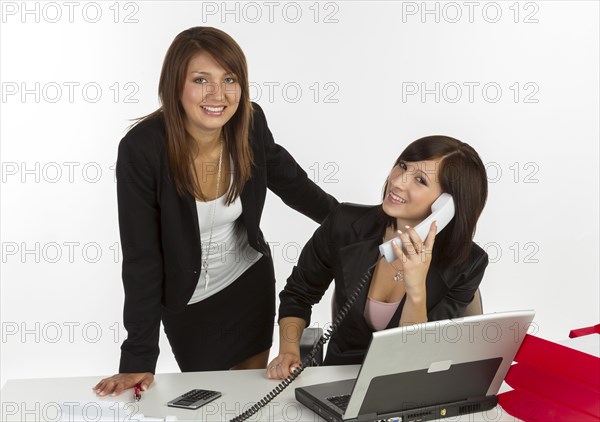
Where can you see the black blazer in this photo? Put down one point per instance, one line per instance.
(343, 248)
(160, 233)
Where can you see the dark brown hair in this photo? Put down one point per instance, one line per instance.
(180, 146)
(462, 174)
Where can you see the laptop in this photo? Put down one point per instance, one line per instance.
(426, 371)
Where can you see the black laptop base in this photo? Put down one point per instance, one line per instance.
(421, 414)
(412, 396)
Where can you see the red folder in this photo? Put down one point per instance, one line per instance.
(552, 382)
(532, 408)
(585, 331)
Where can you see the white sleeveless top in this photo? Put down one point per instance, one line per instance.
(230, 253)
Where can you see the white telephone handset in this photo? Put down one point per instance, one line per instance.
(442, 211)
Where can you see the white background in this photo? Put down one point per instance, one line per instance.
(343, 102)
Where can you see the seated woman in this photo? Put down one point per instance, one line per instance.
(424, 283)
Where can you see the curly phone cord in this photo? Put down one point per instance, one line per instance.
(310, 356)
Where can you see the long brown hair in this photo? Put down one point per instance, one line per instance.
(461, 174)
(180, 146)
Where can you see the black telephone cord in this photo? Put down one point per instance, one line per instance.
(310, 356)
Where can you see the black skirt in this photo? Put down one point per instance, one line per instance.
(225, 329)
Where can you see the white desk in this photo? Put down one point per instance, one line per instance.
(39, 399)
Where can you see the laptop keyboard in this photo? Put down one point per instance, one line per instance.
(340, 401)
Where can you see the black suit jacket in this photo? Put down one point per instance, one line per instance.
(160, 233)
(343, 248)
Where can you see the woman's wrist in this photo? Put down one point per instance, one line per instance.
(289, 346)
(416, 293)
(416, 300)
(290, 332)
(284, 350)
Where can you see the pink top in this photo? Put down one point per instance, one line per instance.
(378, 314)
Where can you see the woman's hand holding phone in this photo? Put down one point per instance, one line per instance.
(415, 256)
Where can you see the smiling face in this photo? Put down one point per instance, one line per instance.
(210, 96)
(411, 189)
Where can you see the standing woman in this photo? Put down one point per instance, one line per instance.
(191, 185)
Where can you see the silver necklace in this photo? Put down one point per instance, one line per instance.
(399, 276)
(399, 273)
(212, 222)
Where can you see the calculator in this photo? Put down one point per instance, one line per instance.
(194, 399)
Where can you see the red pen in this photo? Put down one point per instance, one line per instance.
(137, 392)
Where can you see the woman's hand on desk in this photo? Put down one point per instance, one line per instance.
(116, 384)
(283, 365)
(290, 331)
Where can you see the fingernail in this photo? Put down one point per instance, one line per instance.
(407, 227)
(144, 387)
(399, 231)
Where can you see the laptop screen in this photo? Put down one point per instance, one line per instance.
(437, 362)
